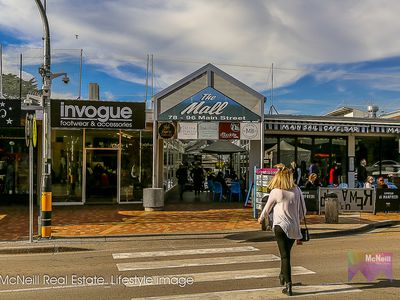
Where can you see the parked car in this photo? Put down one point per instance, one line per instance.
(387, 167)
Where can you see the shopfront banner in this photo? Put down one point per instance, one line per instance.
(387, 200)
(229, 131)
(250, 131)
(10, 113)
(187, 131)
(349, 199)
(97, 114)
(208, 105)
(208, 131)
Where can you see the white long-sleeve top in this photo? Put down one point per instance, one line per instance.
(289, 208)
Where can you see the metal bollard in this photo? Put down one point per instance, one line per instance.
(46, 215)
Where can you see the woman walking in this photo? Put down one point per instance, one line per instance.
(287, 202)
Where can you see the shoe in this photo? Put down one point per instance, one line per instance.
(281, 279)
(288, 289)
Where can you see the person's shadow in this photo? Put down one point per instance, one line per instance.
(381, 283)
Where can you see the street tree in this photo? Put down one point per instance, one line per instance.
(11, 86)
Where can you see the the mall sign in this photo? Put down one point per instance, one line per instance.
(208, 105)
(97, 114)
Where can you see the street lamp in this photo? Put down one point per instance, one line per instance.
(44, 71)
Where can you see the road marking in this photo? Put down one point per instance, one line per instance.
(57, 287)
(184, 252)
(223, 275)
(263, 293)
(194, 262)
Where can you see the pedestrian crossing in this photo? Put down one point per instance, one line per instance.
(233, 260)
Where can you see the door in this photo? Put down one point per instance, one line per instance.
(101, 180)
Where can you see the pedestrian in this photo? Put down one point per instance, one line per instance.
(198, 179)
(333, 176)
(287, 202)
(182, 176)
(369, 182)
(314, 168)
(361, 174)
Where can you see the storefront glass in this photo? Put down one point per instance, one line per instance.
(173, 150)
(14, 164)
(270, 151)
(382, 155)
(67, 162)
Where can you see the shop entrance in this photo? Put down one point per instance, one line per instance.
(101, 180)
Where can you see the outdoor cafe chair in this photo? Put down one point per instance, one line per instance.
(235, 189)
(217, 190)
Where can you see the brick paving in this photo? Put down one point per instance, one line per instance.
(130, 219)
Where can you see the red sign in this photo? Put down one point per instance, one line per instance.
(229, 131)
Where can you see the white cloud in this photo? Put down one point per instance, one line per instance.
(290, 34)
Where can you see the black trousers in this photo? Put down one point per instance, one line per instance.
(285, 245)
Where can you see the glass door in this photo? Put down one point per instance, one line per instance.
(101, 181)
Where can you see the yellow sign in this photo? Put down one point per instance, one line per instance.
(34, 131)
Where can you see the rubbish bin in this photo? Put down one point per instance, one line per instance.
(153, 199)
(331, 209)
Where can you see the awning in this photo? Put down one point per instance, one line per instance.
(223, 147)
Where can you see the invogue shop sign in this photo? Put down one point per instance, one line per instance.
(349, 199)
(97, 114)
(209, 105)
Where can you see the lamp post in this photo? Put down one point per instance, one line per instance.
(44, 70)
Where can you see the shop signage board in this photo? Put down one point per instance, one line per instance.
(166, 130)
(187, 131)
(262, 177)
(311, 198)
(208, 130)
(250, 131)
(10, 113)
(387, 200)
(229, 131)
(97, 114)
(209, 105)
(349, 199)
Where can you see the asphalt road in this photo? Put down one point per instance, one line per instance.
(202, 267)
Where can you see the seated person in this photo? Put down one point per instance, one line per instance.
(312, 182)
(381, 183)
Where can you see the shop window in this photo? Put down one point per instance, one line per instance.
(287, 150)
(67, 162)
(14, 165)
(270, 151)
(339, 157)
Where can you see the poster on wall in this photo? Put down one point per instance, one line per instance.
(97, 114)
(208, 131)
(187, 131)
(250, 131)
(229, 131)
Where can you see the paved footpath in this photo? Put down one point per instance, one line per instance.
(177, 218)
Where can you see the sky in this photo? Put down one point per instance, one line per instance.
(307, 57)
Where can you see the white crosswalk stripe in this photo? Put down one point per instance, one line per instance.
(170, 259)
(262, 294)
(184, 252)
(195, 262)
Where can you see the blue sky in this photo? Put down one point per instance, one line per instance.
(326, 54)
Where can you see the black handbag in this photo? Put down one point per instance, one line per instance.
(304, 231)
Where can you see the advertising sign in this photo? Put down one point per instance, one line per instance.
(229, 131)
(187, 131)
(350, 199)
(209, 105)
(250, 131)
(166, 130)
(97, 114)
(387, 200)
(208, 131)
(10, 113)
